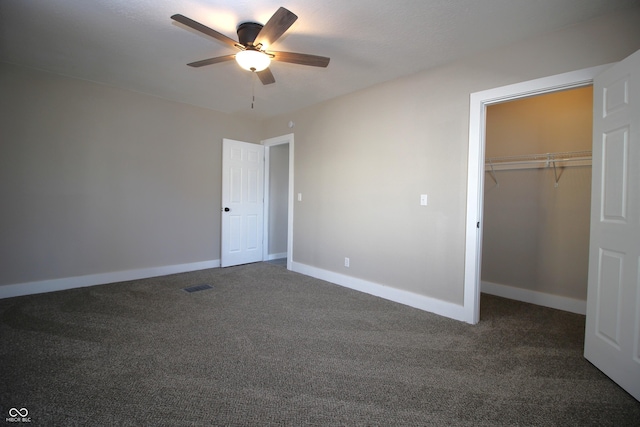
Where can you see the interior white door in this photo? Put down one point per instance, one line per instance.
(612, 334)
(242, 202)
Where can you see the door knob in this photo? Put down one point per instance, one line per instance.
(227, 209)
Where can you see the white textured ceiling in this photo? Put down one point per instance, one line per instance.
(134, 44)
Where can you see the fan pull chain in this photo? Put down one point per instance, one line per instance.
(253, 89)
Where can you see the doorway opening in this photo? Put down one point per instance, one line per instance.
(537, 199)
(278, 200)
(479, 102)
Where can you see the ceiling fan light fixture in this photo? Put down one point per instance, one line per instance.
(253, 40)
(253, 60)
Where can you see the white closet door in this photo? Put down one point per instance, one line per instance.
(612, 334)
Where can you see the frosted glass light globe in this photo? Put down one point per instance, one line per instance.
(253, 60)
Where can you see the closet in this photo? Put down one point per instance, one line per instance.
(537, 197)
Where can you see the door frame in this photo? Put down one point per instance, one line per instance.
(479, 101)
(268, 143)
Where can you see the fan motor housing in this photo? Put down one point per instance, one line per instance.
(247, 32)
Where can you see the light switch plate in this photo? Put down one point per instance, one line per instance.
(423, 200)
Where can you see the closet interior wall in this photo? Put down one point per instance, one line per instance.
(536, 233)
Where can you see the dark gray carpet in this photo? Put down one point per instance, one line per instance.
(267, 346)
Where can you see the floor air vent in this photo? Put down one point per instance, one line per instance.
(197, 288)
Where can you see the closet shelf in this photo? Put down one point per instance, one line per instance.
(538, 161)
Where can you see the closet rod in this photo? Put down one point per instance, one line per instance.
(537, 161)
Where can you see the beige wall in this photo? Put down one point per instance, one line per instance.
(536, 236)
(362, 160)
(95, 179)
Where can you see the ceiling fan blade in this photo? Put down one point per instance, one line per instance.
(266, 77)
(301, 58)
(204, 29)
(275, 27)
(210, 61)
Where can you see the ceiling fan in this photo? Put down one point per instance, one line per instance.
(253, 41)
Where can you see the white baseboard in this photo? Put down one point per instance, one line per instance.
(533, 297)
(9, 291)
(276, 256)
(421, 302)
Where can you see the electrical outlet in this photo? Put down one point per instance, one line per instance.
(346, 262)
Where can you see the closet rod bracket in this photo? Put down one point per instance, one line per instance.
(493, 174)
(555, 170)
